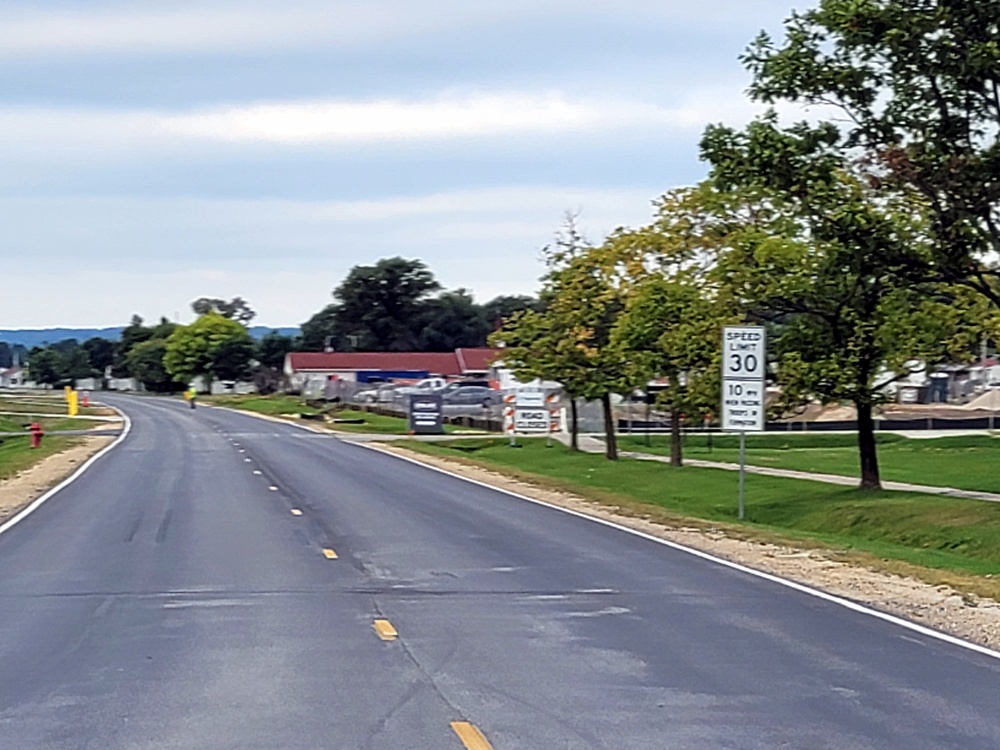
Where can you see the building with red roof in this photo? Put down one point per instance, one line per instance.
(367, 367)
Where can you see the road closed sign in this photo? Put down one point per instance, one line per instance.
(744, 366)
(531, 419)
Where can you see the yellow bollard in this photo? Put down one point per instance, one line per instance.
(74, 403)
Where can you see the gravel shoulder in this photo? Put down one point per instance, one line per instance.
(941, 607)
(18, 491)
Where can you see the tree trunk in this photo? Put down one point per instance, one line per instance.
(866, 448)
(676, 454)
(611, 442)
(574, 426)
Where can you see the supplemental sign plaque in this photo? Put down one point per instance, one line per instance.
(743, 373)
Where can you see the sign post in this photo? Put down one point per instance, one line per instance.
(744, 368)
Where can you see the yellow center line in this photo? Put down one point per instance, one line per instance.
(470, 735)
(328, 553)
(296, 512)
(385, 630)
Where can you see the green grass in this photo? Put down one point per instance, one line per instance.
(947, 534)
(281, 405)
(54, 406)
(16, 453)
(965, 462)
(379, 424)
(11, 423)
(274, 405)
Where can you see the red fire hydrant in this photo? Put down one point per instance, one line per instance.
(36, 434)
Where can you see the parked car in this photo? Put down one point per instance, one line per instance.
(427, 385)
(470, 399)
(452, 387)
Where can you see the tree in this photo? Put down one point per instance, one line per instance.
(145, 363)
(272, 348)
(676, 305)
(449, 321)
(74, 363)
(531, 343)
(498, 309)
(100, 352)
(231, 359)
(541, 343)
(134, 333)
(235, 309)
(190, 349)
(6, 355)
(319, 332)
(377, 306)
(919, 82)
(811, 241)
(44, 366)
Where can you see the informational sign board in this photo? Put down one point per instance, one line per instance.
(744, 358)
(426, 414)
(531, 419)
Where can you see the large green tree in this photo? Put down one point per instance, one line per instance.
(145, 363)
(918, 83)
(814, 245)
(450, 320)
(377, 306)
(191, 349)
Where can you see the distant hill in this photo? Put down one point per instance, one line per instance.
(30, 337)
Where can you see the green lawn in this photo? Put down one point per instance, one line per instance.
(274, 405)
(281, 405)
(948, 534)
(16, 453)
(11, 423)
(29, 405)
(964, 462)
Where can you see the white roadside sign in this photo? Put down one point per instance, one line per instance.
(531, 419)
(744, 358)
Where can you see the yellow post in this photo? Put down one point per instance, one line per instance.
(74, 403)
(66, 391)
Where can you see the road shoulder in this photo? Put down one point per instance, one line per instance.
(941, 607)
(20, 490)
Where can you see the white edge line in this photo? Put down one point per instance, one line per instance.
(846, 603)
(37, 503)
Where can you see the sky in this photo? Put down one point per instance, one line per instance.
(152, 153)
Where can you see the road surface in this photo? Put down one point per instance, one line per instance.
(170, 598)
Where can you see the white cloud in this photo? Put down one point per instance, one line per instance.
(95, 135)
(146, 27)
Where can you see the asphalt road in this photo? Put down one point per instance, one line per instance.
(170, 598)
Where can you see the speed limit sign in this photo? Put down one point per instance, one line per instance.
(744, 365)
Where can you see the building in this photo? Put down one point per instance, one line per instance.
(307, 369)
(12, 377)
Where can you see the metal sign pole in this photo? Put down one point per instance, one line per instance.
(743, 466)
(744, 375)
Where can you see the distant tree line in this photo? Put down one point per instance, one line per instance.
(395, 305)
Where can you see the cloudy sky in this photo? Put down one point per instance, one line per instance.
(156, 152)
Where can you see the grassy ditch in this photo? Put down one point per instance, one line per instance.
(915, 530)
(16, 454)
(963, 461)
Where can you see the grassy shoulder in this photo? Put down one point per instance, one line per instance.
(339, 419)
(963, 461)
(16, 453)
(917, 531)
